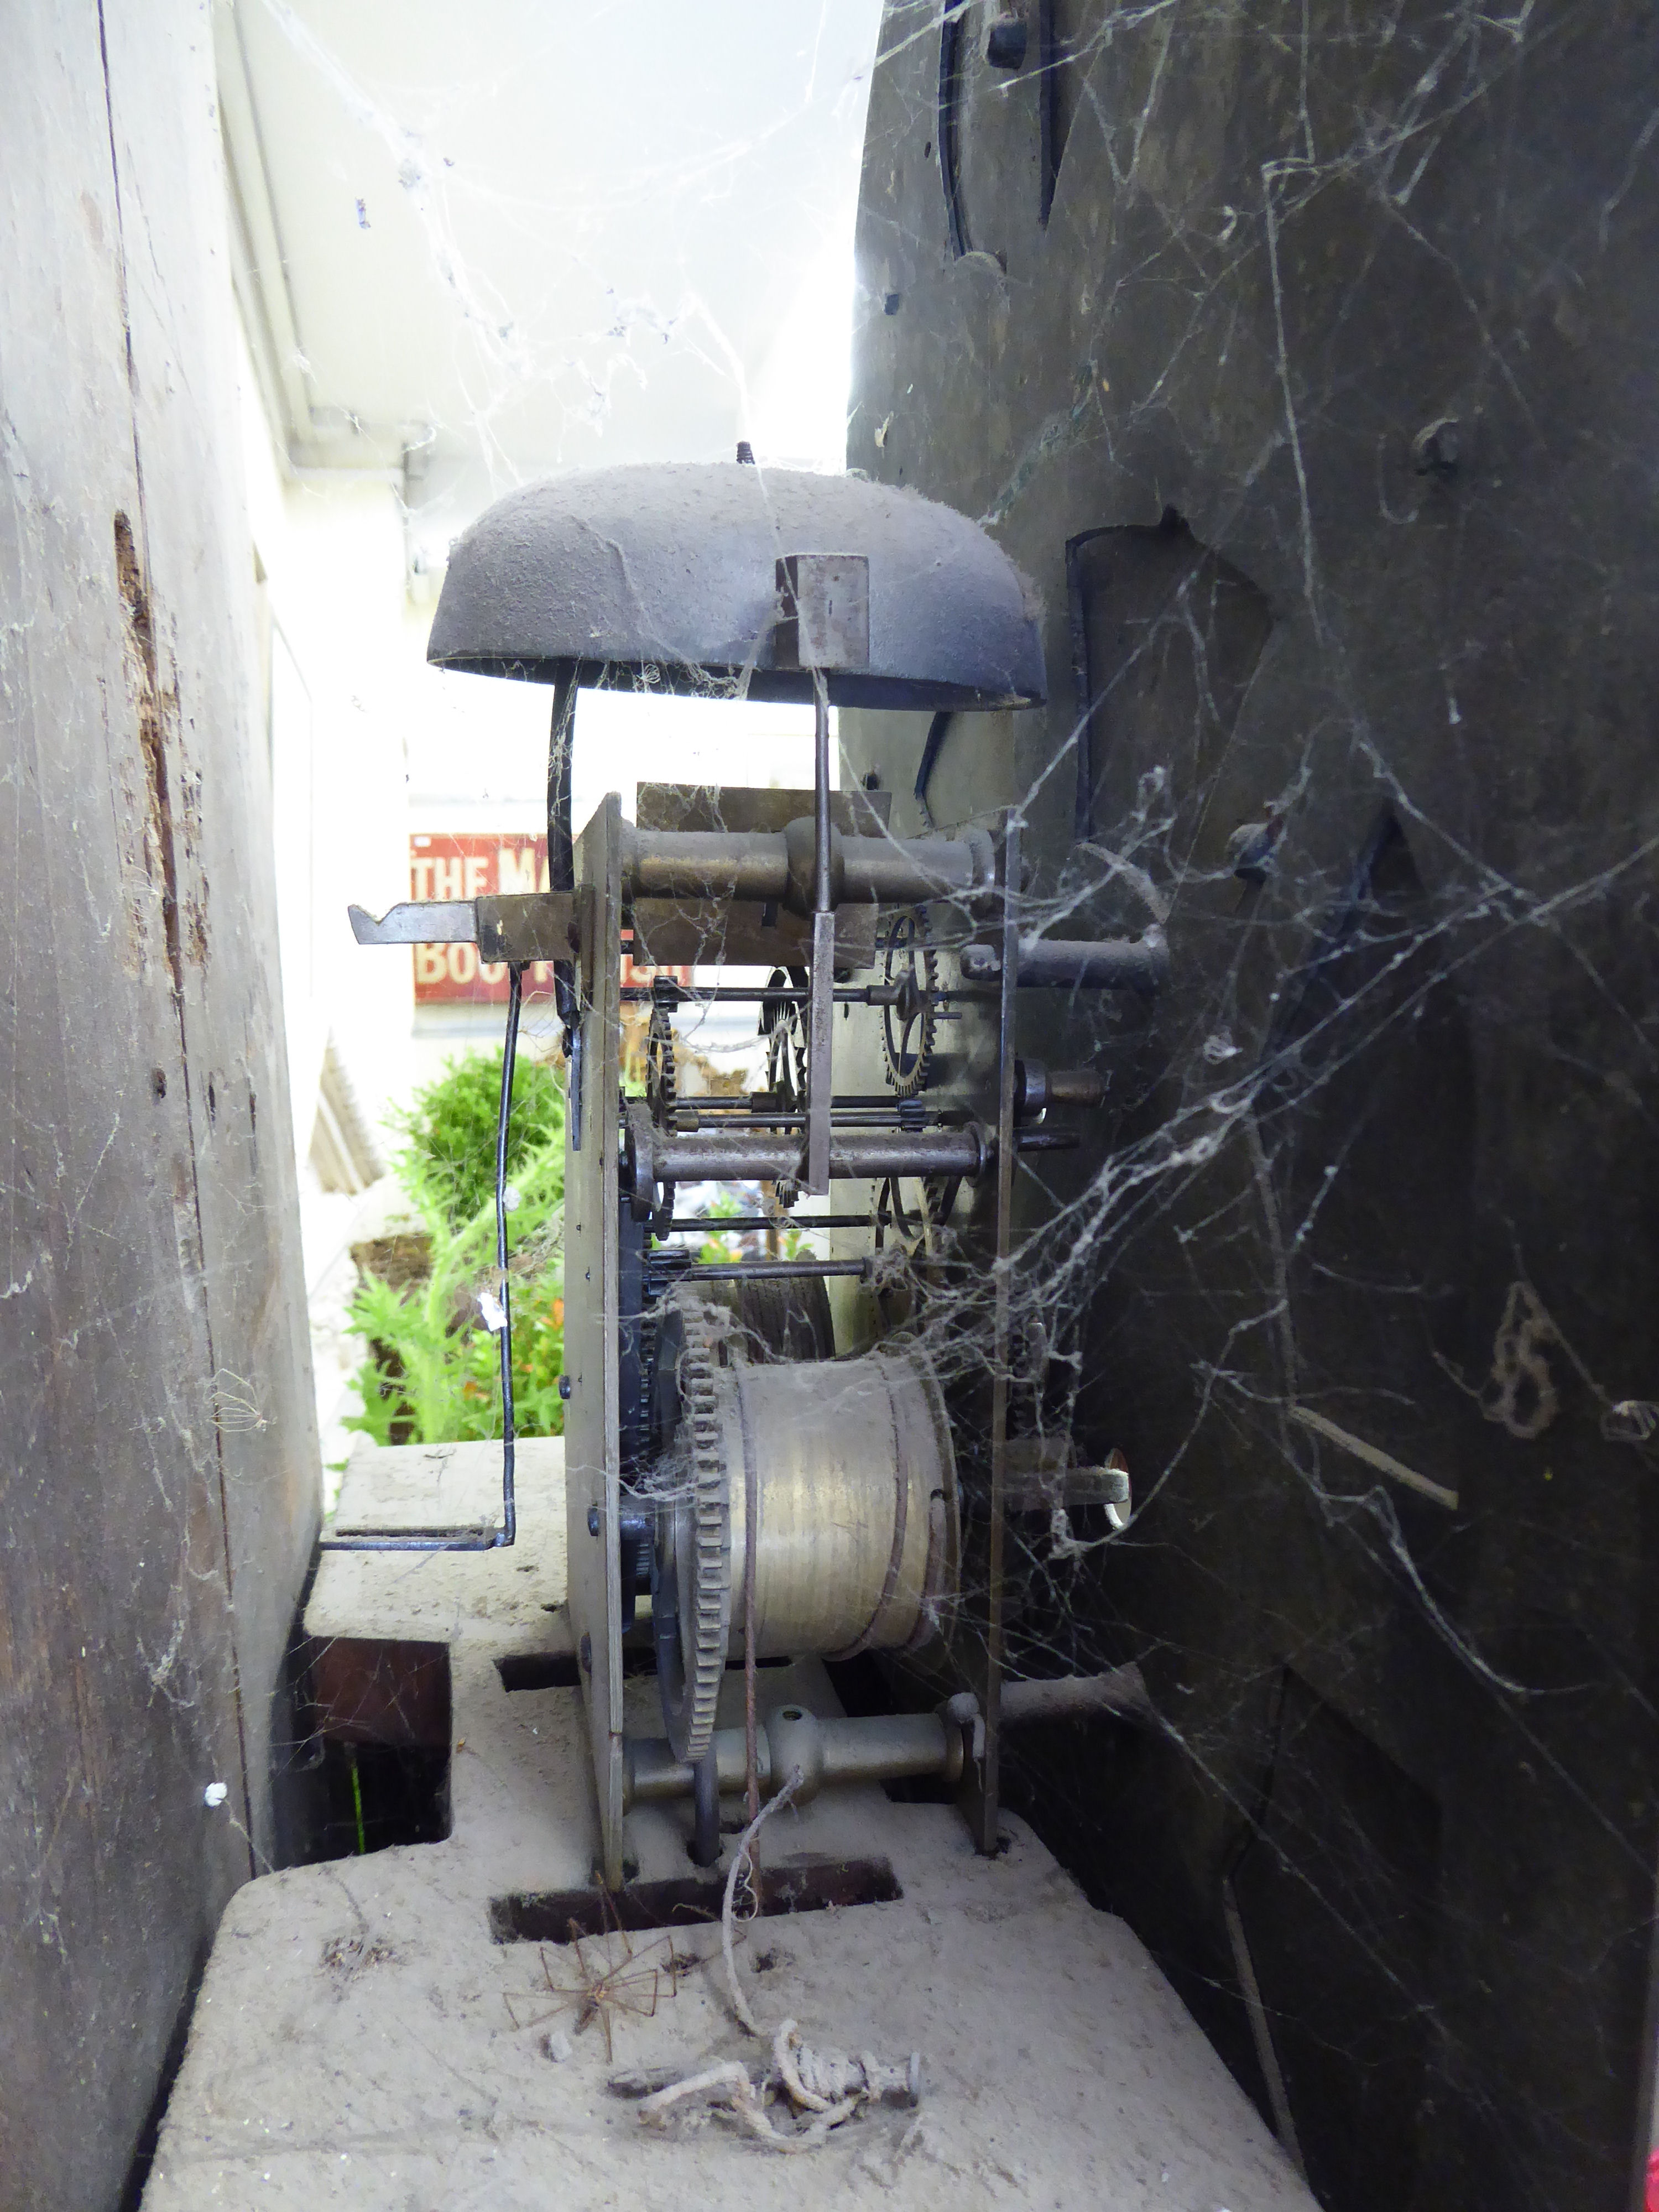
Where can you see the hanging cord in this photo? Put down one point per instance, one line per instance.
(561, 877)
(475, 1540)
(751, 1543)
(509, 1529)
(826, 2086)
(938, 730)
(741, 1864)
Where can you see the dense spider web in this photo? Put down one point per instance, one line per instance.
(1271, 407)
(1316, 1267)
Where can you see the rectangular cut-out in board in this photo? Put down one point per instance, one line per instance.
(804, 1884)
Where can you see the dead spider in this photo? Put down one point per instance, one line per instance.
(606, 1982)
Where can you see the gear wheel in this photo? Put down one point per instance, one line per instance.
(659, 1065)
(782, 1026)
(660, 1090)
(907, 1027)
(693, 1607)
(915, 1213)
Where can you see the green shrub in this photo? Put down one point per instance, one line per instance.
(448, 1164)
(432, 1370)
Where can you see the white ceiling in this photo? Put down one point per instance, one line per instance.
(524, 235)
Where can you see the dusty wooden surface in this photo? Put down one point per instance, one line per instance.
(447, 1596)
(157, 1497)
(361, 2040)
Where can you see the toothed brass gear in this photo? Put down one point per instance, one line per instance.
(916, 1213)
(693, 1628)
(659, 1066)
(781, 1025)
(908, 1028)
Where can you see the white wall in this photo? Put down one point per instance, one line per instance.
(335, 636)
(338, 633)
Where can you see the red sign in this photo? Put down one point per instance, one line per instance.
(469, 865)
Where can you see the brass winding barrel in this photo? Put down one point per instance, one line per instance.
(857, 1531)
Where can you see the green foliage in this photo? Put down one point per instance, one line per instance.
(448, 1164)
(716, 1247)
(431, 1375)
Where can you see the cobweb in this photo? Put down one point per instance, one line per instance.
(1263, 346)
(1277, 348)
